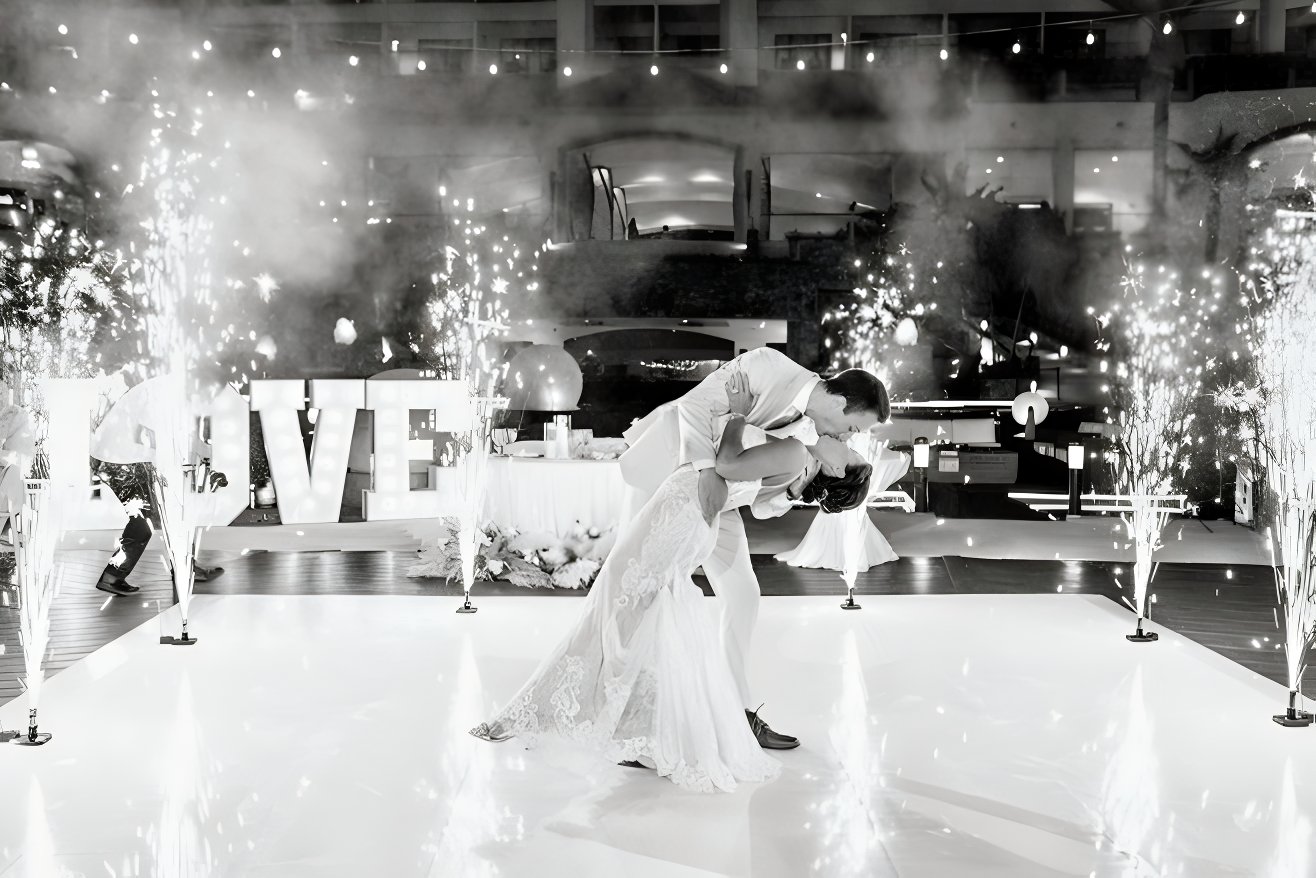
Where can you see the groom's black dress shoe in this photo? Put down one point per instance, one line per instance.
(767, 738)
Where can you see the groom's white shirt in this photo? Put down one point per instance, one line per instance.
(681, 432)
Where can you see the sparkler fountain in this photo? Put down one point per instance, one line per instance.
(36, 533)
(173, 279)
(468, 315)
(57, 287)
(1152, 392)
(856, 521)
(1286, 368)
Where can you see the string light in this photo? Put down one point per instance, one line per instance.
(132, 38)
(1240, 18)
(1091, 38)
(63, 30)
(566, 71)
(352, 60)
(871, 56)
(799, 65)
(945, 53)
(653, 71)
(420, 65)
(723, 68)
(493, 69)
(276, 52)
(1017, 47)
(1167, 28)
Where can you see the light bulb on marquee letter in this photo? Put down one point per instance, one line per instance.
(392, 403)
(71, 402)
(311, 491)
(230, 454)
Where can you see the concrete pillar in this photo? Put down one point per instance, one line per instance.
(1062, 180)
(746, 191)
(1270, 25)
(575, 25)
(740, 39)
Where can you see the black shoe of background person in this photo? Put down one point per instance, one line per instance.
(767, 738)
(205, 574)
(122, 587)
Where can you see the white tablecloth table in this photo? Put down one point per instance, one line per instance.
(824, 543)
(542, 495)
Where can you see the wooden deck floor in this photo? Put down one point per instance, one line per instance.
(1229, 610)
(82, 619)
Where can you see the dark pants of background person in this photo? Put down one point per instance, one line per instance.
(133, 542)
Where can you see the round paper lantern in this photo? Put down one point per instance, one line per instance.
(1030, 409)
(1034, 401)
(543, 378)
(344, 331)
(906, 332)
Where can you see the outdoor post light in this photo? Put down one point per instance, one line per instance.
(922, 457)
(1076, 453)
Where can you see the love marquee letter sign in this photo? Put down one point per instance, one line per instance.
(309, 489)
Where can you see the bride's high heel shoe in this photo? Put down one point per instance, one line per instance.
(490, 733)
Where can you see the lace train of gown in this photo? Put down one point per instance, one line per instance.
(643, 674)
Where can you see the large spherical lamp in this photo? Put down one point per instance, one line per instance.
(543, 378)
(1030, 409)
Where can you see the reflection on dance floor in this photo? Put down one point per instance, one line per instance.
(961, 735)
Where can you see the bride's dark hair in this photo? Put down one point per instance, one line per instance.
(839, 494)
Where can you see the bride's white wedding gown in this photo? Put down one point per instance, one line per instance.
(643, 675)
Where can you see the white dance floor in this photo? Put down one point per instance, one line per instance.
(942, 736)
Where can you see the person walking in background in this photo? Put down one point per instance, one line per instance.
(133, 541)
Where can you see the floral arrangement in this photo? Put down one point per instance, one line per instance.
(530, 560)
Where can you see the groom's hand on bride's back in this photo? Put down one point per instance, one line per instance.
(712, 493)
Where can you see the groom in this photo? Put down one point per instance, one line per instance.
(788, 400)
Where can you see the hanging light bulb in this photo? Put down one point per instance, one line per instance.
(1167, 28)
(653, 71)
(1017, 47)
(799, 65)
(1240, 18)
(493, 69)
(722, 69)
(945, 54)
(276, 52)
(871, 57)
(1091, 37)
(566, 71)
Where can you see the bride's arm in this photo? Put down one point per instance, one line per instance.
(738, 463)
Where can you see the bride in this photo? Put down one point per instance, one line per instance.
(642, 677)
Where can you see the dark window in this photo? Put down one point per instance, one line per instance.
(889, 48)
(528, 55)
(624, 28)
(1072, 42)
(812, 49)
(994, 35)
(446, 56)
(1213, 41)
(689, 28)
